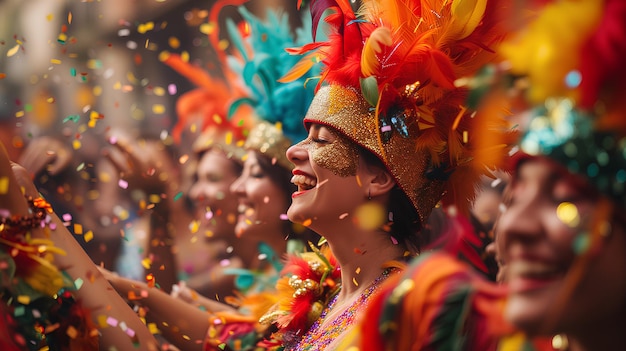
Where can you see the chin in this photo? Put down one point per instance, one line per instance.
(528, 314)
(294, 214)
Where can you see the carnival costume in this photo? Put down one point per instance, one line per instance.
(38, 307)
(390, 85)
(563, 67)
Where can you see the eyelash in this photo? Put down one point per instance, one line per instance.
(319, 141)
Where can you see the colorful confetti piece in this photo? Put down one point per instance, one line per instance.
(4, 185)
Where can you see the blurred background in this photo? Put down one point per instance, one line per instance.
(77, 68)
(76, 73)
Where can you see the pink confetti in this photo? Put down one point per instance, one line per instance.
(130, 332)
(284, 217)
(208, 215)
(112, 321)
(394, 240)
(67, 217)
(224, 262)
(113, 140)
(172, 89)
(123, 184)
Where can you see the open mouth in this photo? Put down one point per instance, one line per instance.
(303, 182)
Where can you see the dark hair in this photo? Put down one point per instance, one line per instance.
(404, 224)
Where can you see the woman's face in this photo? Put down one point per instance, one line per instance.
(216, 208)
(262, 202)
(326, 168)
(541, 237)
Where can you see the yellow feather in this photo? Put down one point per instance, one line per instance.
(370, 63)
(466, 15)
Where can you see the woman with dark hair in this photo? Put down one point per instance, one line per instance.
(390, 138)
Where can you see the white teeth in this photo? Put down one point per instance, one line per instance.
(303, 181)
(531, 268)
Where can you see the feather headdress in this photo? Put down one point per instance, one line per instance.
(205, 109)
(258, 59)
(570, 57)
(390, 83)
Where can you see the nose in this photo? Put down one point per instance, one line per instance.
(297, 153)
(237, 186)
(195, 192)
(522, 221)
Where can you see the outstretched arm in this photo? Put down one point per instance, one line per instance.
(119, 326)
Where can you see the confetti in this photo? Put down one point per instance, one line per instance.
(122, 184)
(171, 89)
(71, 332)
(174, 42)
(73, 118)
(4, 185)
(112, 321)
(3, 75)
(146, 262)
(23, 299)
(78, 229)
(67, 217)
(158, 109)
(88, 236)
(13, 50)
(183, 159)
(78, 283)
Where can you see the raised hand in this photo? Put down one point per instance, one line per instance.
(45, 153)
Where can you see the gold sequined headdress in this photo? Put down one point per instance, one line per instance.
(389, 85)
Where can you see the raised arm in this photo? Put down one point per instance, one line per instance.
(119, 326)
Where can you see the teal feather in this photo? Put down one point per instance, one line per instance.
(235, 105)
(268, 61)
(236, 39)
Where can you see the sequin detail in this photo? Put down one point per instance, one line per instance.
(317, 339)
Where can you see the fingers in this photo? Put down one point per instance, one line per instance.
(45, 151)
(11, 197)
(24, 180)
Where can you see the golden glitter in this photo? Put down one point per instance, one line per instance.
(269, 140)
(345, 110)
(340, 157)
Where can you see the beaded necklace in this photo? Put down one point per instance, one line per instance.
(317, 339)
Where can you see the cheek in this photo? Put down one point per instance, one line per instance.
(339, 158)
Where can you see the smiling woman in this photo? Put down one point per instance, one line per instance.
(562, 237)
(389, 139)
